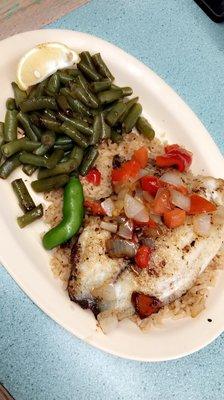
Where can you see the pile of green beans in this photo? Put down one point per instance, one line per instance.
(64, 119)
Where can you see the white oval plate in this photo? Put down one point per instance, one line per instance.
(28, 263)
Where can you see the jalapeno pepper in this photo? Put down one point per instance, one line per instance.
(73, 212)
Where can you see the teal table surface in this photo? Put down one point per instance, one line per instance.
(39, 360)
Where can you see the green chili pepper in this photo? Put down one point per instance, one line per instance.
(73, 212)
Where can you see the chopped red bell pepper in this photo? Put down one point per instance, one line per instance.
(145, 305)
(94, 207)
(94, 176)
(175, 156)
(162, 201)
(143, 256)
(200, 205)
(141, 156)
(127, 170)
(174, 218)
(150, 184)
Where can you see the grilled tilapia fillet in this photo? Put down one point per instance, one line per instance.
(179, 257)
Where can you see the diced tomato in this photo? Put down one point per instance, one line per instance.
(162, 202)
(141, 156)
(176, 149)
(94, 176)
(150, 224)
(127, 170)
(174, 218)
(143, 256)
(145, 305)
(200, 205)
(94, 207)
(169, 160)
(150, 184)
(175, 156)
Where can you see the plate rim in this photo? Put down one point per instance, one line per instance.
(171, 93)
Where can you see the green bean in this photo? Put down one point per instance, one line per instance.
(54, 158)
(65, 91)
(105, 129)
(30, 216)
(70, 71)
(51, 124)
(128, 106)
(19, 94)
(115, 113)
(127, 91)
(37, 131)
(53, 84)
(116, 137)
(28, 169)
(81, 125)
(77, 106)
(97, 130)
(64, 147)
(101, 66)
(1, 133)
(39, 103)
(132, 117)
(18, 145)
(79, 93)
(66, 157)
(87, 59)
(88, 160)
(84, 84)
(100, 85)
(38, 90)
(77, 154)
(63, 104)
(10, 104)
(49, 114)
(35, 118)
(63, 140)
(9, 165)
(48, 139)
(41, 150)
(108, 96)
(88, 72)
(75, 135)
(33, 159)
(64, 77)
(25, 200)
(73, 212)
(62, 168)
(144, 127)
(10, 126)
(25, 122)
(48, 184)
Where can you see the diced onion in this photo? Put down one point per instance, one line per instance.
(105, 292)
(107, 321)
(180, 200)
(148, 241)
(172, 177)
(108, 206)
(134, 209)
(202, 224)
(109, 226)
(156, 218)
(138, 194)
(117, 247)
(126, 229)
(218, 216)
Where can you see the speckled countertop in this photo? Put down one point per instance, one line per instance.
(38, 359)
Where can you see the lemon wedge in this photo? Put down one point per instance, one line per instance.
(42, 61)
